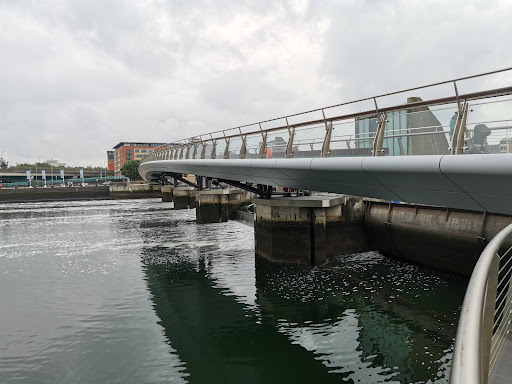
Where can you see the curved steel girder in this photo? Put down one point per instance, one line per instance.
(473, 182)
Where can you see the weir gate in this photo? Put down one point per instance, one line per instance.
(433, 174)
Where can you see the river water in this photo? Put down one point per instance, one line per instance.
(134, 292)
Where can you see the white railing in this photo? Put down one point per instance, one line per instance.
(486, 314)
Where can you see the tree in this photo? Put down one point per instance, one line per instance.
(131, 169)
(3, 164)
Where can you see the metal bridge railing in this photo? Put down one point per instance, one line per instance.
(484, 323)
(448, 125)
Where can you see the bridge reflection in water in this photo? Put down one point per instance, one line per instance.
(362, 318)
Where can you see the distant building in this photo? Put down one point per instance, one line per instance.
(110, 160)
(412, 131)
(505, 145)
(126, 151)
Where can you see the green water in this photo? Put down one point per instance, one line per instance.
(134, 292)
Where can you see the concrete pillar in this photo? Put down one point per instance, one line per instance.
(133, 191)
(167, 192)
(215, 206)
(184, 197)
(308, 229)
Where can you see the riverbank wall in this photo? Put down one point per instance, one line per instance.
(31, 195)
(101, 192)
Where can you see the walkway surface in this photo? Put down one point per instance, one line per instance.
(502, 372)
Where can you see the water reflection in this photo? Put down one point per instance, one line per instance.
(361, 318)
(131, 291)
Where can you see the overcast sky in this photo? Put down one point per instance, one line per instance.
(77, 77)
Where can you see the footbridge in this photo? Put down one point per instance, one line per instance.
(453, 151)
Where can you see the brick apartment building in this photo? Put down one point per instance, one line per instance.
(126, 151)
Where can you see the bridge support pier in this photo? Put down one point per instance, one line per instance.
(167, 192)
(308, 229)
(215, 206)
(184, 197)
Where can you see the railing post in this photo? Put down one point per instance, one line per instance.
(289, 146)
(327, 140)
(194, 153)
(263, 143)
(214, 150)
(181, 151)
(226, 150)
(379, 135)
(460, 131)
(243, 149)
(187, 154)
(203, 151)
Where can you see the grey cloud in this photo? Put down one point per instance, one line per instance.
(77, 77)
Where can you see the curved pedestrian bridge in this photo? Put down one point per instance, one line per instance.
(453, 151)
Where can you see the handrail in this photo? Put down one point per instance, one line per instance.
(484, 319)
(371, 98)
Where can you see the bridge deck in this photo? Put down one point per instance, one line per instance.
(472, 182)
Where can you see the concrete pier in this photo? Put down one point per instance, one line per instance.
(309, 229)
(167, 192)
(216, 205)
(184, 197)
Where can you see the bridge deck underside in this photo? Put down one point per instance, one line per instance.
(473, 182)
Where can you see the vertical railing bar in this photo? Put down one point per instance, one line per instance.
(498, 308)
(501, 282)
(505, 310)
(500, 341)
(506, 253)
